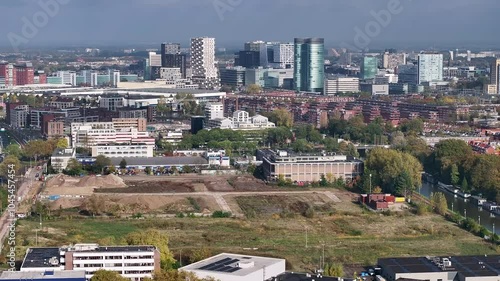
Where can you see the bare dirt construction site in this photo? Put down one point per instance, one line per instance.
(244, 196)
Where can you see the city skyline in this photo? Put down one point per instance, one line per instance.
(147, 22)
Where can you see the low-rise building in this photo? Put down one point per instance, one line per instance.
(61, 157)
(218, 158)
(241, 121)
(341, 84)
(134, 262)
(307, 167)
(232, 267)
(117, 150)
(140, 124)
(462, 268)
(65, 275)
(374, 89)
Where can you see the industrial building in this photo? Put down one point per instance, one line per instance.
(232, 267)
(307, 167)
(134, 262)
(457, 268)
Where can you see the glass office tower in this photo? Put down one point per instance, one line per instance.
(309, 63)
(369, 68)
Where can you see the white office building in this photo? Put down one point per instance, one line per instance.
(90, 77)
(133, 262)
(114, 78)
(392, 60)
(67, 77)
(154, 59)
(341, 84)
(117, 150)
(232, 267)
(204, 70)
(214, 111)
(284, 55)
(241, 120)
(112, 103)
(61, 157)
(104, 133)
(430, 68)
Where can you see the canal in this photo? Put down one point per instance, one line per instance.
(464, 208)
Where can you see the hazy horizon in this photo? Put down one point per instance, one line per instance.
(423, 23)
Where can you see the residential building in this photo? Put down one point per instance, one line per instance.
(61, 103)
(40, 77)
(369, 67)
(284, 55)
(133, 262)
(67, 77)
(61, 157)
(171, 57)
(307, 167)
(112, 102)
(241, 121)
(335, 84)
(233, 267)
(36, 114)
(24, 73)
(126, 123)
(204, 69)
(54, 129)
(392, 60)
(117, 150)
(170, 49)
(170, 74)
(8, 74)
(232, 76)
(449, 268)
(127, 112)
(494, 77)
(309, 64)
(65, 275)
(19, 116)
(375, 89)
(430, 68)
(114, 78)
(214, 111)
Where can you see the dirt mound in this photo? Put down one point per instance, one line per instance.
(152, 187)
(248, 183)
(66, 203)
(101, 182)
(58, 180)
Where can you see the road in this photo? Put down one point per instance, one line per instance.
(23, 186)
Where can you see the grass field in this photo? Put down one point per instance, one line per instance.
(350, 234)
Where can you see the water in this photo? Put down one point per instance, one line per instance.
(469, 208)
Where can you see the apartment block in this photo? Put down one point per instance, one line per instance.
(126, 123)
(133, 262)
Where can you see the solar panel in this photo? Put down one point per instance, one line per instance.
(233, 269)
(221, 265)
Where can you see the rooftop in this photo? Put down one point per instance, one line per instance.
(160, 161)
(65, 275)
(232, 264)
(464, 265)
(305, 277)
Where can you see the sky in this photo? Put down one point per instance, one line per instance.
(232, 22)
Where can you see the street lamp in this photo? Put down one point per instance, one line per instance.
(465, 213)
(370, 183)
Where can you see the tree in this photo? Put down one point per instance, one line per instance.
(13, 149)
(254, 89)
(465, 185)
(282, 118)
(156, 238)
(74, 168)
(10, 163)
(62, 143)
(123, 164)
(389, 167)
(199, 254)
(302, 145)
(402, 184)
(412, 127)
(105, 275)
(439, 204)
(95, 205)
(187, 169)
(101, 162)
(454, 175)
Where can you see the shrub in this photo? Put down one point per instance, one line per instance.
(221, 214)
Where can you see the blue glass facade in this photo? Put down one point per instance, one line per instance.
(309, 72)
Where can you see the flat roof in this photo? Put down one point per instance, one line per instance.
(468, 266)
(305, 277)
(232, 264)
(51, 275)
(160, 161)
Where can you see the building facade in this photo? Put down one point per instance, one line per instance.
(116, 150)
(309, 64)
(369, 67)
(307, 168)
(341, 84)
(204, 70)
(430, 68)
(495, 77)
(232, 76)
(133, 262)
(284, 55)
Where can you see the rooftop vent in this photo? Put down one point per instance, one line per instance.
(245, 264)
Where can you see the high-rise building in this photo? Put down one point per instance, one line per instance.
(261, 47)
(154, 59)
(430, 68)
(67, 77)
(369, 67)
(284, 55)
(408, 73)
(248, 59)
(205, 72)
(495, 76)
(171, 57)
(24, 73)
(392, 60)
(309, 64)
